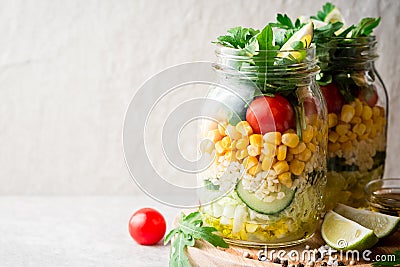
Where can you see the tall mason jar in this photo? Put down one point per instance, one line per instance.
(358, 109)
(267, 143)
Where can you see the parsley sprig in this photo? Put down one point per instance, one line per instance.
(190, 228)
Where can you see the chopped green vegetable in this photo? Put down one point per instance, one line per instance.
(190, 228)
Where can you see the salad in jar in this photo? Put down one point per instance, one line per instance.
(267, 143)
(357, 104)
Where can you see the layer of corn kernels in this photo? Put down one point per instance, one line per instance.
(357, 133)
(266, 161)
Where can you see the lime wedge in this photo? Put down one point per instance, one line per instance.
(304, 35)
(343, 234)
(382, 224)
(334, 16)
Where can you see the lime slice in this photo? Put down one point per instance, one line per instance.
(343, 234)
(304, 35)
(334, 16)
(382, 224)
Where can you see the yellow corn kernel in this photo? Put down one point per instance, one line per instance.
(297, 167)
(368, 124)
(347, 113)
(298, 149)
(305, 155)
(241, 154)
(332, 120)
(218, 146)
(253, 150)
(343, 138)
(373, 132)
(273, 138)
(250, 162)
(244, 128)
(342, 128)
(358, 107)
(269, 149)
(281, 152)
(290, 139)
(228, 155)
(256, 140)
(333, 137)
(319, 136)
(214, 135)
(333, 147)
(363, 137)
(242, 143)
(356, 120)
(226, 143)
(308, 134)
(290, 156)
(280, 167)
(267, 163)
(286, 179)
(347, 146)
(290, 131)
(221, 129)
(254, 170)
(352, 136)
(376, 112)
(311, 146)
(311, 119)
(367, 112)
(206, 146)
(383, 113)
(359, 129)
(231, 131)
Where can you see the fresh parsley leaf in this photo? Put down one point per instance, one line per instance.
(326, 9)
(284, 21)
(365, 27)
(266, 38)
(190, 228)
(237, 37)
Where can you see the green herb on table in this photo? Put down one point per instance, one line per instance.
(190, 228)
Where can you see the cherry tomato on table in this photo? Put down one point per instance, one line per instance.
(333, 97)
(147, 226)
(270, 113)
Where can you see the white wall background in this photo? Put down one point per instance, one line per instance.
(68, 70)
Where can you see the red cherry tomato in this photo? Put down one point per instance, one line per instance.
(333, 97)
(268, 114)
(369, 95)
(147, 226)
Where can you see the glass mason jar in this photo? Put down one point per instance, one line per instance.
(357, 120)
(265, 179)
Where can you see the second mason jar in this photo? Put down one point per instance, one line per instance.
(358, 108)
(267, 140)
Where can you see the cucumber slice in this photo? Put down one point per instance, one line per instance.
(260, 206)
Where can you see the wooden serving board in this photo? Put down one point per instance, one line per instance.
(204, 254)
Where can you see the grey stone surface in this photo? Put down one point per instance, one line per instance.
(68, 70)
(76, 231)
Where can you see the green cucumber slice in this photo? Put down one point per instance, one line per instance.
(262, 207)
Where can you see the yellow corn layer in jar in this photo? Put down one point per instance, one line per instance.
(270, 168)
(356, 152)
